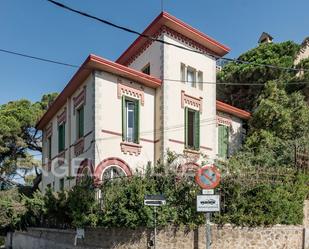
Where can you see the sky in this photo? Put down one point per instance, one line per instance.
(41, 29)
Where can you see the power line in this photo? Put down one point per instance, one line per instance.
(61, 5)
(171, 80)
(38, 58)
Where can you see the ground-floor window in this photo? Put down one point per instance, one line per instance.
(112, 173)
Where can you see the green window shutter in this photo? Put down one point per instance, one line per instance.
(61, 137)
(124, 118)
(226, 141)
(223, 141)
(186, 127)
(197, 130)
(81, 122)
(137, 120)
(49, 148)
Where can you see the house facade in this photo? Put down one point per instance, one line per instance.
(114, 118)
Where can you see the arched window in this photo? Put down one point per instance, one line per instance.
(111, 168)
(113, 172)
(85, 174)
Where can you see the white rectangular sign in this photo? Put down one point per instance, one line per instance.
(208, 203)
(208, 191)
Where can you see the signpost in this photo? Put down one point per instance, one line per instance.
(154, 201)
(208, 178)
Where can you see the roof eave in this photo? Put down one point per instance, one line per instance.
(221, 106)
(94, 62)
(172, 22)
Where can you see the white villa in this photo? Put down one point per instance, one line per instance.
(115, 117)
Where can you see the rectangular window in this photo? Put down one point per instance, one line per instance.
(192, 129)
(223, 141)
(191, 81)
(146, 69)
(80, 122)
(183, 72)
(200, 80)
(49, 148)
(130, 120)
(61, 137)
(61, 184)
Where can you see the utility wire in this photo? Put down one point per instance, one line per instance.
(61, 5)
(171, 80)
(37, 58)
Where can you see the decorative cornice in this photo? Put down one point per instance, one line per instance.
(130, 148)
(80, 99)
(130, 91)
(190, 101)
(174, 34)
(79, 147)
(61, 158)
(49, 130)
(224, 120)
(62, 118)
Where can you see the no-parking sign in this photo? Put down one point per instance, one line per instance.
(207, 177)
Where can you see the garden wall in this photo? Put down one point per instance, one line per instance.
(226, 237)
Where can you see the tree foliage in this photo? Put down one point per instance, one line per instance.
(18, 136)
(277, 54)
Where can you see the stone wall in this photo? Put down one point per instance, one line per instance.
(228, 237)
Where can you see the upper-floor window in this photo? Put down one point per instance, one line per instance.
(191, 76)
(146, 69)
(80, 122)
(223, 141)
(192, 129)
(49, 148)
(130, 120)
(200, 79)
(191, 80)
(61, 137)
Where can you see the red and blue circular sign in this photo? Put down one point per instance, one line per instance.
(207, 177)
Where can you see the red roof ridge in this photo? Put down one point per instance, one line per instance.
(221, 106)
(164, 18)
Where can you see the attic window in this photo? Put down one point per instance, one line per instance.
(146, 69)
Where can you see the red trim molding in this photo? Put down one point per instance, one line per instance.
(130, 148)
(112, 133)
(149, 141)
(176, 141)
(92, 63)
(221, 106)
(176, 27)
(190, 101)
(62, 117)
(190, 166)
(61, 158)
(205, 148)
(109, 162)
(130, 91)
(80, 99)
(120, 135)
(49, 130)
(87, 163)
(224, 120)
(79, 147)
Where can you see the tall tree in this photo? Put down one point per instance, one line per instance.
(18, 137)
(245, 97)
